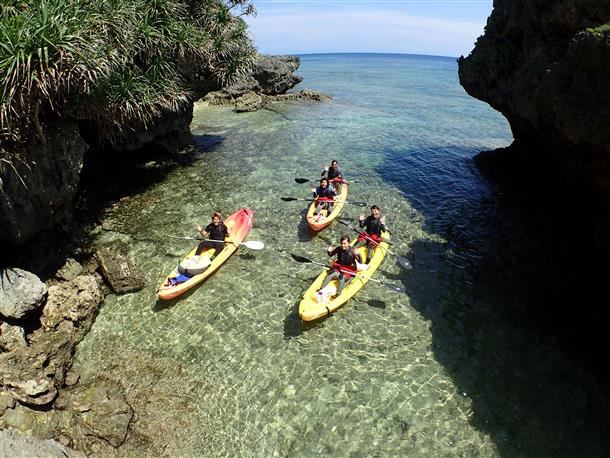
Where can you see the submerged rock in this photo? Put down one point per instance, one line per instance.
(119, 270)
(21, 293)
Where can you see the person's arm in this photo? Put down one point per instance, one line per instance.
(225, 230)
(358, 256)
(331, 250)
(315, 193)
(201, 230)
(361, 220)
(382, 226)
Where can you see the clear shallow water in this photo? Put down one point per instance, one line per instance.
(448, 369)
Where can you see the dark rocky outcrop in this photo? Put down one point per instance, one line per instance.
(545, 66)
(39, 188)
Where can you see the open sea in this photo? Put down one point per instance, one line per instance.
(452, 367)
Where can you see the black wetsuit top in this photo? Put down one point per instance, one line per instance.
(217, 232)
(328, 192)
(332, 173)
(373, 225)
(345, 257)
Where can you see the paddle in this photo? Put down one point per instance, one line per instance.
(307, 180)
(353, 202)
(401, 259)
(398, 289)
(252, 244)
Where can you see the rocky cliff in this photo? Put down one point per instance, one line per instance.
(544, 65)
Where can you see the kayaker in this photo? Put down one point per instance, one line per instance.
(216, 230)
(344, 267)
(325, 193)
(334, 175)
(371, 236)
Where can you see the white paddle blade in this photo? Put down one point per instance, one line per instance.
(254, 244)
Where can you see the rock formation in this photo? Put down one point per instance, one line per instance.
(545, 67)
(268, 81)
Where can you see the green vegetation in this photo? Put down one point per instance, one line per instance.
(602, 31)
(118, 63)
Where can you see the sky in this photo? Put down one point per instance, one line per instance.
(432, 27)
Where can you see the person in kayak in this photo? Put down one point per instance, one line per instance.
(371, 236)
(345, 267)
(216, 230)
(334, 175)
(325, 195)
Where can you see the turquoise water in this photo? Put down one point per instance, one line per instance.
(449, 368)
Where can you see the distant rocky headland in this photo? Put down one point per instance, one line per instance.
(545, 67)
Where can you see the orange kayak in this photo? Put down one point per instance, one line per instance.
(317, 223)
(239, 225)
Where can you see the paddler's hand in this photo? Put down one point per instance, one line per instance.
(330, 248)
(362, 217)
(198, 227)
(326, 168)
(382, 219)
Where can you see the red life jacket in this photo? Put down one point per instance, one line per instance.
(365, 236)
(347, 271)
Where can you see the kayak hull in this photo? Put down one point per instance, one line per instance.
(310, 309)
(238, 225)
(338, 207)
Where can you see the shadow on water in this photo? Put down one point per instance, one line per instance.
(106, 177)
(512, 307)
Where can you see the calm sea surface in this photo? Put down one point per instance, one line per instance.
(449, 368)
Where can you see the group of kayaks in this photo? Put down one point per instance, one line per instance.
(239, 225)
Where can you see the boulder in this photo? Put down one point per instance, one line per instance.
(21, 293)
(118, 269)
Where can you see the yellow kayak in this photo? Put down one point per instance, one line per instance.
(311, 309)
(319, 223)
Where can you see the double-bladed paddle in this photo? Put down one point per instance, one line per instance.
(396, 288)
(353, 202)
(401, 259)
(307, 180)
(252, 244)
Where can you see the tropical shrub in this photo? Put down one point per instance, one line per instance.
(118, 63)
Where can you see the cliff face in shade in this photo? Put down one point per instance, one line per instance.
(545, 65)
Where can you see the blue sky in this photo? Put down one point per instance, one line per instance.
(434, 27)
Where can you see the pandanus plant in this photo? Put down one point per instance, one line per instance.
(117, 63)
